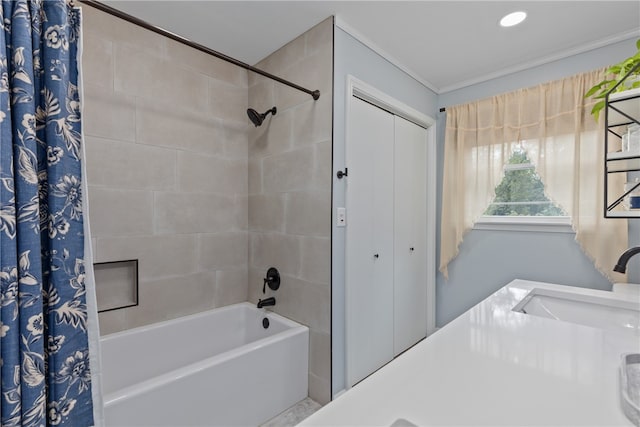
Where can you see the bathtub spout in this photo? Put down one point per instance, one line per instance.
(266, 302)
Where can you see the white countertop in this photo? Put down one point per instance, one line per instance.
(493, 366)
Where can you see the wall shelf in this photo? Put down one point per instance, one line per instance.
(621, 103)
(625, 164)
(116, 284)
(633, 213)
(621, 109)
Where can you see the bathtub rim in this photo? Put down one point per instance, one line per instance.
(150, 384)
(181, 319)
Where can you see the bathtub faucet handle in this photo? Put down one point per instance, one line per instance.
(272, 279)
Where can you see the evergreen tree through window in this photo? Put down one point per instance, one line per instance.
(521, 191)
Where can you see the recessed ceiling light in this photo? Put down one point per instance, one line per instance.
(513, 19)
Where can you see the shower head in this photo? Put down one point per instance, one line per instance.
(257, 118)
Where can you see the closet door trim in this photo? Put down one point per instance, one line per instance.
(367, 93)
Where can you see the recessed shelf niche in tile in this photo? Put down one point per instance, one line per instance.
(116, 284)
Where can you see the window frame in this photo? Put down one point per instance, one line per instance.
(546, 224)
(539, 223)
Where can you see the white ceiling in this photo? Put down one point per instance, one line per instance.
(444, 44)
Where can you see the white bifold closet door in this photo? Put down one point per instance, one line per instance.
(410, 235)
(369, 242)
(385, 238)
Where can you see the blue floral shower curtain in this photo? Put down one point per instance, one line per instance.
(44, 343)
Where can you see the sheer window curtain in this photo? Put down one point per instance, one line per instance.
(552, 123)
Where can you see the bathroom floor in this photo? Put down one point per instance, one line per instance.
(294, 415)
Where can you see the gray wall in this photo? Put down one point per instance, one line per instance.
(490, 259)
(352, 57)
(479, 269)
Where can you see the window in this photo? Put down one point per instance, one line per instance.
(521, 191)
(550, 122)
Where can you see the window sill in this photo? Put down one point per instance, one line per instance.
(537, 224)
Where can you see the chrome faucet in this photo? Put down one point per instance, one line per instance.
(621, 266)
(266, 302)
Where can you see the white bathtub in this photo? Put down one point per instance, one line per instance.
(216, 368)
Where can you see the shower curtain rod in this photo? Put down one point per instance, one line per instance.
(139, 22)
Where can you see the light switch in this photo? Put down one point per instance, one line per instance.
(341, 217)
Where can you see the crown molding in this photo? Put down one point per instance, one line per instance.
(340, 23)
(544, 60)
(385, 55)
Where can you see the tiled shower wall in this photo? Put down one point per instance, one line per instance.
(180, 180)
(166, 141)
(290, 192)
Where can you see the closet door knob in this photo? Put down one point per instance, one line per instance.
(411, 249)
(376, 255)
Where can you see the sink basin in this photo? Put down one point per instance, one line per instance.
(588, 310)
(630, 386)
(631, 289)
